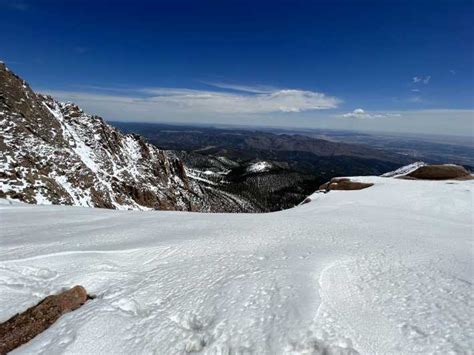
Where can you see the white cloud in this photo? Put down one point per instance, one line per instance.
(256, 89)
(192, 101)
(114, 107)
(421, 79)
(362, 114)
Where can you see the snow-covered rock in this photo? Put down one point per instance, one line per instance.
(405, 170)
(54, 153)
(383, 270)
(259, 167)
(421, 170)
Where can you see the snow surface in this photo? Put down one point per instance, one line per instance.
(259, 167)
(387, 269)
(405, 170)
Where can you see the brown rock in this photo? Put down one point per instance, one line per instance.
(344, 184)
(306, 200)
(440, 172)
(119, 161)
(23, 327)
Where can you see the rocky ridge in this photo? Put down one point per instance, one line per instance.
(54, 153)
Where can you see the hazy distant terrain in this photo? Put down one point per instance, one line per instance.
(299, 151)
(378, 146)
(430, 148)
(294, 165)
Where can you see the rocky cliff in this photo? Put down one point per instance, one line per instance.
(54, 153)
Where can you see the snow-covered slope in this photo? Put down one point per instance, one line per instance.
(405, 170)
(387, 269)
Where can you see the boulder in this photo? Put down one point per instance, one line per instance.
(440, 172)
(344, 184)
(23, 327)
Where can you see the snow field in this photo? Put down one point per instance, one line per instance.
(386, 269)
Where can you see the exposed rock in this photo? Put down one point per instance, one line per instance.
(440, 172)
(405, 170)
(306, 200)
(344, 184)
(54, 153)
(23, 327)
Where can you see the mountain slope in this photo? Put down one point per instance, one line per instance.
(54, 153)
(270, 186)
(384, 270)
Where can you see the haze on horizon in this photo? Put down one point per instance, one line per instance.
(372, 66)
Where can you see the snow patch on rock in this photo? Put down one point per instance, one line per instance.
(405, 170)
(259, 167)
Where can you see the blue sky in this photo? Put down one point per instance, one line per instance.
(401, 66)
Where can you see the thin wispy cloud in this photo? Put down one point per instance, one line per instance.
(118, 107)
(362, 114)
(93, 88)
(256, 89)
(421, 79)
(181, 100)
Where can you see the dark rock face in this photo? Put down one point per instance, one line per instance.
(54, 153)
(23, 327)
(440, 172)
(344, 184)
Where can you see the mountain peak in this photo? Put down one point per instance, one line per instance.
(54, 153)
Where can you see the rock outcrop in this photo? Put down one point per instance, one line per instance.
(23, 327)
(54, 153)
(440, 172)
(344, 184)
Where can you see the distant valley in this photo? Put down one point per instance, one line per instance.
(294, 164)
